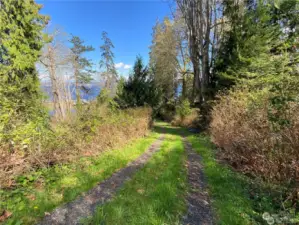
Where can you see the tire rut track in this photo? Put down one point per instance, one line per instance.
(199, 209)
(85, 205)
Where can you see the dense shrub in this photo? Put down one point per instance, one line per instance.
(93, 130)
(258, 134)
(139, 90)
(185, 116)
(166, 111)
(191, 120)
(183, 109)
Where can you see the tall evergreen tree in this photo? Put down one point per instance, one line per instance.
(139, 90)
(81, 65)
(107, 61)
(21, 40)
(254, 49)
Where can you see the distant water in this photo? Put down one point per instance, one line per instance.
(93, 91)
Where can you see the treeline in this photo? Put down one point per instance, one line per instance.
(237, 62)
(29, 137)
(28, 53)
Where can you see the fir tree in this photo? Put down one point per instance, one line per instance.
(247, 53)
(82, 66)
(139, 90)
(107, 61)
(21, 112)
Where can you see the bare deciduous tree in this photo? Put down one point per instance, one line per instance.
(55, 59)
(202, 20)
(183, 56)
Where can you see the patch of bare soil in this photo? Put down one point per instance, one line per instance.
(199, 209)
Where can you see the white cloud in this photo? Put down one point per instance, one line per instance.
(126, 67)
(119, 65)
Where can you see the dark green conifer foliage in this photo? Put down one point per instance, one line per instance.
(259, 53)
(254, 49)
(139, 89)
(21, 113)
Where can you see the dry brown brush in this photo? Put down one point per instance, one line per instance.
(90, 132)
(256, 137)
(191, 120)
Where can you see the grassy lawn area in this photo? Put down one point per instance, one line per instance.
(40, 192)
(156, 193)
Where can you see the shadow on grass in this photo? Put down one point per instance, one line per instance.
(165, 128)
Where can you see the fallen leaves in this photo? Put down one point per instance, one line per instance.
(5, 214)
(31, 197)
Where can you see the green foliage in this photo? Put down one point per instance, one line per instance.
(120, 85)
(183, 109)
(256, 48)
(82, 66)
(103, 97)
(139, 89)
(163, 58)
(107, 55)
(259, 55)
(166, 111)
(22, 116)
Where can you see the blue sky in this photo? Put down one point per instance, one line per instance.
(128, 23)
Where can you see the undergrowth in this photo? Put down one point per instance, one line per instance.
(88, 132)
(37, 193)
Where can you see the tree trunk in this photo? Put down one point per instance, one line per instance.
(77, 87)
(196, 83)
(184, 87)
(57, 101)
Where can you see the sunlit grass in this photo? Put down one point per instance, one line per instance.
(227, 189)
(156, 193)
(42, 191)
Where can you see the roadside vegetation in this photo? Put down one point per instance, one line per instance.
(37, 193)
(88, 133)
(238, 199)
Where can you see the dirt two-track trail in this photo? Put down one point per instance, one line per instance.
(197, 200)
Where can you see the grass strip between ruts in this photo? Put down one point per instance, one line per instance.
(156, 193)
